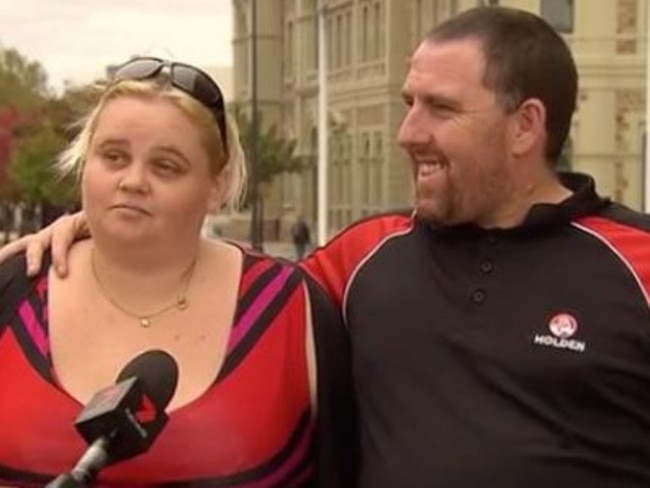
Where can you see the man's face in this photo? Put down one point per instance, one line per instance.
(457, 136)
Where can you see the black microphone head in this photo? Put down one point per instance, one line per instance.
(158, 372)
(131, 413)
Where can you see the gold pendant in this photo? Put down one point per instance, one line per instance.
(145, 322)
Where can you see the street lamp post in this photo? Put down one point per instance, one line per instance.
(256, 229)
(322, 185)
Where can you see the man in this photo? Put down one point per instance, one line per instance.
(501, 331)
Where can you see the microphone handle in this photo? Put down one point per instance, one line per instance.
(95, 458)
(87, 468)
(65, 481)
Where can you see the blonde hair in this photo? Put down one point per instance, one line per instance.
(233, 162)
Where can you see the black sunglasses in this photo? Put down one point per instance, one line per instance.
(183, 76)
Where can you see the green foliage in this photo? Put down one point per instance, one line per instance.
(65, 112)
(275, 153)
(33, 172)
(23, 83)
(33, 131)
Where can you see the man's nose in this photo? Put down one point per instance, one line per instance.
(414, 130)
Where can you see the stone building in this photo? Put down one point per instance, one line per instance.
(368, 47)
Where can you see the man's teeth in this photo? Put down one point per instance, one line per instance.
(426, 169)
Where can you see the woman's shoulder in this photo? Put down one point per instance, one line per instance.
(15, 285)
(14, 265)
(13, 271)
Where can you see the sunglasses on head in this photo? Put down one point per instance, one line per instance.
(183, 76)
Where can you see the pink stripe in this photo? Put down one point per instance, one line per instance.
(257, 307)
(34, 330)
(299, 453)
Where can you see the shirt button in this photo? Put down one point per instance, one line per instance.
(487, 266)
(478, 296)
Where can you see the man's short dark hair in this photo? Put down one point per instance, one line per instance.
(525, 58)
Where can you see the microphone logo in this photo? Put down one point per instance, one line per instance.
(147, 412)
(106, 399)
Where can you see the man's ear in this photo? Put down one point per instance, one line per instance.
(529, 126)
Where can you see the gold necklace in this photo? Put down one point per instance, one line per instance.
(180, 303)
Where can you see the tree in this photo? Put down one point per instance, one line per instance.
(23, 83)
(275, 153)
(31, 135)
(23, 88)
(9, 120)
(71, 107)
(34, 174)
(8, 194)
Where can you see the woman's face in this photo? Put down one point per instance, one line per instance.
(147, 174)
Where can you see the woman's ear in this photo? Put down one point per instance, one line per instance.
(219, 190)
(529, 129)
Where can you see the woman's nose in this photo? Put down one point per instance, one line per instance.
(134, 178)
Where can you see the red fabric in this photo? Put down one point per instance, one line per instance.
(333, 264)
(238, 426)
(632, 244)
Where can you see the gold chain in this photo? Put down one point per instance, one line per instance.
(180, 303)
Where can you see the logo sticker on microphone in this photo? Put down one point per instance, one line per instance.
(147, 411)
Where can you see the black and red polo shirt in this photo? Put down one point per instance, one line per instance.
(514, 358)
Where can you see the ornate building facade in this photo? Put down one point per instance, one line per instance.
(368, 47)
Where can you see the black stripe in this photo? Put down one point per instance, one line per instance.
(21, 478)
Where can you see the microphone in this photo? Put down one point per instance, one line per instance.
(123, 420)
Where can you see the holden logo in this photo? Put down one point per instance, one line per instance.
(563, 325)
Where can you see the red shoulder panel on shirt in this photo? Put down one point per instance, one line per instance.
(333, 264)
(629, 242)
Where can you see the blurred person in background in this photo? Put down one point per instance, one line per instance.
(300, 236)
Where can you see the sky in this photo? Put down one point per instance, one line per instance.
(76, 39)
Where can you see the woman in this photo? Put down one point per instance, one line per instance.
(253, 405)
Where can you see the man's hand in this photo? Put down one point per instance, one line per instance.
(60, 235)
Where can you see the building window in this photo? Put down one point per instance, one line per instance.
(558, 13)
(290, 63)
(338, 56)
(365, 33)
(417, 11)
(331, 43)
(347, 38)
(380, 49)
(443, 10)
(315, 40)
